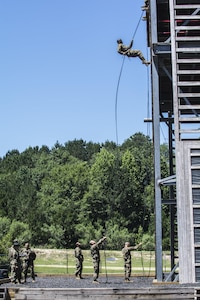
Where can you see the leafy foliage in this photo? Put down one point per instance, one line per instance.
(79, 191)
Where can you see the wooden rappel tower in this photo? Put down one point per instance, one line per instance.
(173, 28)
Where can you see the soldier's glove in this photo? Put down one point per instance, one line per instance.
(131, 44)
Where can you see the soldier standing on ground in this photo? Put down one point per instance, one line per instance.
(126, 252)
(28, 257)
(94, 248)
(79, 261)
(15, 262)
(126, 50)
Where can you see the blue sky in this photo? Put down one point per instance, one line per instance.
(60, 68)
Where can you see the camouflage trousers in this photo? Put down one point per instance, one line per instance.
(79, 267)
(15, 270)
(96, 269)
(28, 265)
(127, 270)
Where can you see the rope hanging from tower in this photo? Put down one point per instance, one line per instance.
(127, 51)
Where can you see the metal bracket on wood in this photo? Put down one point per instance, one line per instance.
(169, 277)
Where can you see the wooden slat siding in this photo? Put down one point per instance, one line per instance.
(98, 293)
(4, 294)
(188, 72)
(184, 212)
(188, 83)
(187, 6)
(4, 280)
(197, 294)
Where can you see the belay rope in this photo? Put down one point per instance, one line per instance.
(104, 252)
(116, 128)
(105, 263)
(137, 25)
(116, 98)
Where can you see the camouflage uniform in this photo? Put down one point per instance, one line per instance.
(94, 248)
(79, 261)
(28, 257)
(126, 50)
(126, 252)
(15, 263)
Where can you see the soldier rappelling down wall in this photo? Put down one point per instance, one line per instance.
(126, 50)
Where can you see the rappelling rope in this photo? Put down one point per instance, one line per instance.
(104, 252)
(148, 125)
(116, 97)
(148, 134)
(105, 263)
(137, 25)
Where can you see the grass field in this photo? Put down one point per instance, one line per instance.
(55, 262)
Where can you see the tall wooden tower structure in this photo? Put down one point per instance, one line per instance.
(174, 39)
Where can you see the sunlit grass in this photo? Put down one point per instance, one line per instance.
(63, 262)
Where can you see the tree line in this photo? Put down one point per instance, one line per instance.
(80, 191)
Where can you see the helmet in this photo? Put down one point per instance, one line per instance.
(119, 41)
(78, 244)
(15, 243)
(92, 242)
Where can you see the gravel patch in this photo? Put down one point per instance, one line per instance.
(113, 282)
(87, 282)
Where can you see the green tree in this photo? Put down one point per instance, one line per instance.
(61, 194)
(97, 201)
(82, 190)
(82, 150)
(17, 230)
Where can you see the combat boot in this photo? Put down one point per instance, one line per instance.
(146, 63)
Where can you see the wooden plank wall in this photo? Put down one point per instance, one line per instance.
(99, 293)
(184, 213)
